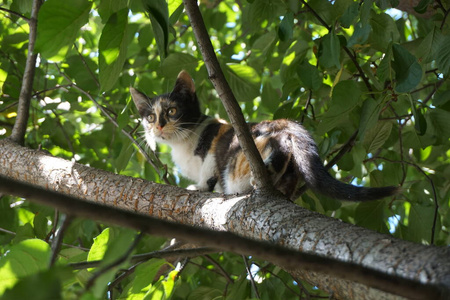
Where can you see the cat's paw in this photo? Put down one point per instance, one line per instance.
(193, 187)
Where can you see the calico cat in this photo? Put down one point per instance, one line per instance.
(206, 149)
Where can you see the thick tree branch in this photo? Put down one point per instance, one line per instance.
(23, 109)
(344, 254)
(262, 180)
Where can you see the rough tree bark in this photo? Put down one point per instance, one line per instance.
(254, 216)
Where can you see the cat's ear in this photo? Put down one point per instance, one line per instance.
(141, 101)
(184, 83)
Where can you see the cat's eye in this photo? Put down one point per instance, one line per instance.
(151, 118)
(172, 111)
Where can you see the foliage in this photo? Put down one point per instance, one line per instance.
(344, 69)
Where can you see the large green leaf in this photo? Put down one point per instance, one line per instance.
(443, 55)
(107, 7)
(377, 136)
(112, 49)
(309, 75)
(59, 25)
(244, 81)
(384, 31)
(25, 258)
(346, 95)
(175, 62)
(430, 45)
(330, 51)
(159, 16)
(408, 72)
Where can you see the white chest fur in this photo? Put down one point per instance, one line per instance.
(188, 163)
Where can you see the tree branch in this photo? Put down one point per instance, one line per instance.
(343, 252)
(23, 110)
(262, 179)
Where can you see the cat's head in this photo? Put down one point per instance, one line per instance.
(169, 117)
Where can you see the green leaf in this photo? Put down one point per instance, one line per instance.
(360, 35)
(372, 215)
(175, 62)
(346, 95)
(111, 244)
(430, 46)
(285, 31)
(107, 7)
(59, 25)
(420, 124)
(309, 75)
(420, 223)
(25, 258)
(40, 225)
(369, 116)
(384, 31)
(41, 286)
(159, 16)
(377, 136)
(422, 6)
(113, 49)
(408, 72)
(443, 55)
(330, 51)
(244, 81)
(350, 15)
(270, 97)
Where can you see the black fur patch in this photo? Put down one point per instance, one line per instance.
(211, 182)
(205, 140)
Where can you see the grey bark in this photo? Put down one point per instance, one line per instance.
(400, 267)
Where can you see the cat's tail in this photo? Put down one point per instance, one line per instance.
(319, 180)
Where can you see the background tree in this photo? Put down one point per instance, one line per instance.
(370, 84)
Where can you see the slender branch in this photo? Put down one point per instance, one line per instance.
(252, 280)
(262, 179)
(14, 13)
(219, 267)
(287, 258)
(23, 110)
(56, 244)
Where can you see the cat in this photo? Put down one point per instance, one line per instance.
(206, 149)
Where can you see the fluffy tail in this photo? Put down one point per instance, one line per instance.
(319, 180)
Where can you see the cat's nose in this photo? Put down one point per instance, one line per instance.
(159, 127)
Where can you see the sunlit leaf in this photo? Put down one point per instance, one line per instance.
(244, 81)
(59, 25)
(23, 259)
(175, 62)
(112, 49)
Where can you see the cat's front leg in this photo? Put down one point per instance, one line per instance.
(204, 185)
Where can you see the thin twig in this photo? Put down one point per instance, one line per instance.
(57, 241)
(23, 110)
(252, 280)
(15, 13)
(219, 267)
